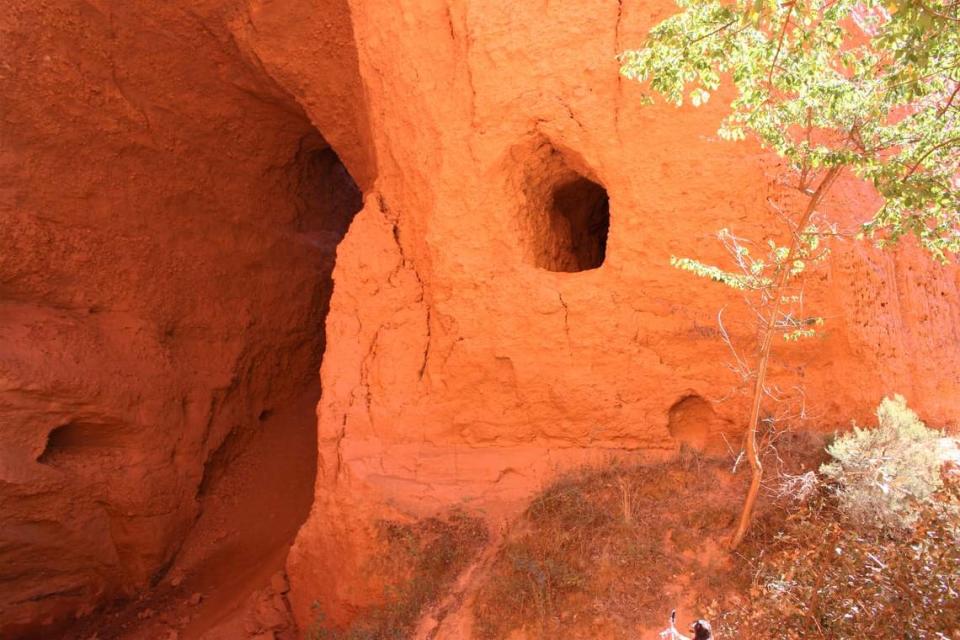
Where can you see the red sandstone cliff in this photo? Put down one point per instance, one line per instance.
(168, 216)
(168, 205)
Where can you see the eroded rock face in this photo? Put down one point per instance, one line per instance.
(168, 225)
(503, 307)
(476, 346)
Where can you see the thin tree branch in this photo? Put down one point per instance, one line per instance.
(753, 456)
(783, 35)
(945, 143)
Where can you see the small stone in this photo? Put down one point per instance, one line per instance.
(195, 599)
(146, 613)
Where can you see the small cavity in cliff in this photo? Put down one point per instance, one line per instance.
(565, 219)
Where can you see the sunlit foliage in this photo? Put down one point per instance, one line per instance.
(862, 85)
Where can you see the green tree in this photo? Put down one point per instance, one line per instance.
(857, 87)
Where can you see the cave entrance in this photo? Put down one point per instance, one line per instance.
(580, 217)
(565, 217)
(330, 198)
(257, 487)
(257, 483)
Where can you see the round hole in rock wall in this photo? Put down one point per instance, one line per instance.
(691, 420)
(565, 215)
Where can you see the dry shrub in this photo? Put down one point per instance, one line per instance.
(874, 552)
(819, 577)
(419, 560)
(883, 475)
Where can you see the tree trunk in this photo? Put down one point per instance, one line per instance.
(766, 342)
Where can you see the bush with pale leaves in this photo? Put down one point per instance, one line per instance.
(883, 475)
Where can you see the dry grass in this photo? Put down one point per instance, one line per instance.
(596, 553)
(421, 559)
